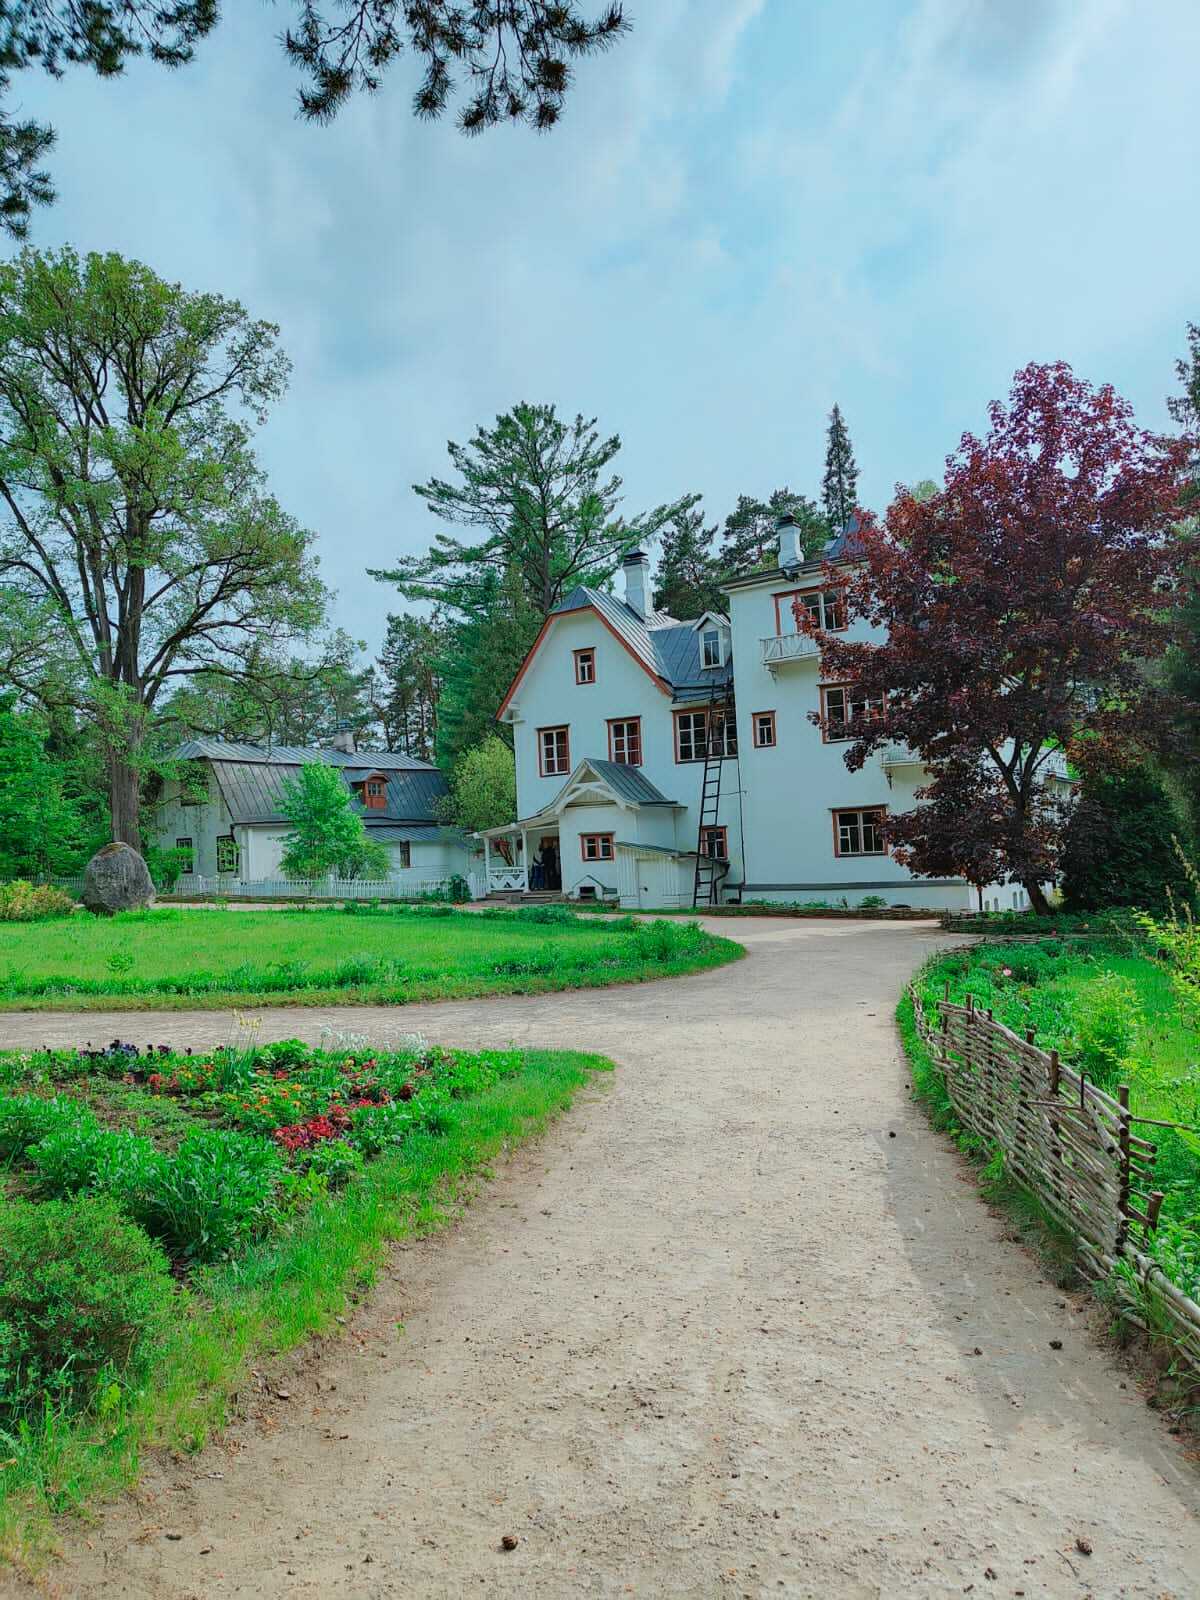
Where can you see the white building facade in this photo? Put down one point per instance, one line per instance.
(225, 820)
(621, 794)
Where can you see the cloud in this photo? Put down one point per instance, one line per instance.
(749, 211)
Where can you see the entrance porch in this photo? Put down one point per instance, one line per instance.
(522, 859)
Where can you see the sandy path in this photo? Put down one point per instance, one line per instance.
(714, 1336)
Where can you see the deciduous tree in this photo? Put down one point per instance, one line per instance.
(483, 791)
(327, 836)
(1021, 605)
(140, 546)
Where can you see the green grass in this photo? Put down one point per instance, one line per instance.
(268, 1301)
(172, 958)
(1113, 1012)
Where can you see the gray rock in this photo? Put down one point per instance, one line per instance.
(116, 879)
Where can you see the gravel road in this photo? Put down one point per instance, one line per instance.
(738, 1326)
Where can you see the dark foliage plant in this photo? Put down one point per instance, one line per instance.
(1123, 845)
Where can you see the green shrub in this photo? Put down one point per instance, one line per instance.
(28, 902)
(377, 1128)
(117, 1163)
(83, 1297)
(216, 1193)
(1120, 845)
(872, 902)
(1107, 1019)
(26, 1118)
(334, 1160)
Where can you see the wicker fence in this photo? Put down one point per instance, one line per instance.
(1073, 1146)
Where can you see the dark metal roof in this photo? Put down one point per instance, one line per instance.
(414, 833)
(628, 782)
(252, 784)
(670, 649)
(202, 749)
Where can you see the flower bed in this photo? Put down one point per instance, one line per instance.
(167, 1218)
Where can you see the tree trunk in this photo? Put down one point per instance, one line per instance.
(124, 799)
(1037, 899)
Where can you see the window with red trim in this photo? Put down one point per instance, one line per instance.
(859, 832)
(374, 794)
(845, 709)
(585, 666)
(691, 734)
(554, 752)
(625, 741)
(762, 724)
(714, 843)
(596, 846)
(825, 607)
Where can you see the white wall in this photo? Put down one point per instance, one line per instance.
(202, 824)
(790, 791)
(548, 696)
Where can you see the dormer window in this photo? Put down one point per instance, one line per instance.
(372, 792)
(711, 652)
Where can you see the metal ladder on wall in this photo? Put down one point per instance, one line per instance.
(710, 871)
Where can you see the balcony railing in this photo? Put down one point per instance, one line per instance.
(899, 755)
(781, 647)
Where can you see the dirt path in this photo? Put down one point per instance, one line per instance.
(720, 1334)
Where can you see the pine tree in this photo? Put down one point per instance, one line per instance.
(1123, 845)
(839, 487)
(405, 685)
(687, 582)
(482, 655)
(537, 492)
(749, 540)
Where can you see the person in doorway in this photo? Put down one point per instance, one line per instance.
(553, 878)
(537, 872)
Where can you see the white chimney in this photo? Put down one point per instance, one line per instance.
(790, 554)
(636, 566)
(344, 740)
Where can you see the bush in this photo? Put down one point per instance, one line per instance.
(28, 902)
(215, 1193)
(120, 1164)
(1107, 1021)
(83, 1297)
(26, 1118)
(1120, 847)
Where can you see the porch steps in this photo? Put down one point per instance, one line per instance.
(527, 897)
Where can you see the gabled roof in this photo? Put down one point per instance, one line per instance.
(628, 783)
(201, 749)
(668, 650)
(251, 779)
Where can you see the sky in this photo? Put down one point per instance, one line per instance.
(750, 210)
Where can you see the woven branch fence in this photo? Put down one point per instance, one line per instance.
(1073, 1146)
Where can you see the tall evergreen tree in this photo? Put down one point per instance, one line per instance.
(1183, 661)
(483, 653)
(687, 582)
(405, 684)
(538, 492)
(749, 540)
(839, 487)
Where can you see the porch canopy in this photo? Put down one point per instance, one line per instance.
(593, 782)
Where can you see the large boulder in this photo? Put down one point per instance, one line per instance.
(116, 879)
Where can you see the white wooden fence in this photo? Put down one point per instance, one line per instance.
(405, 884)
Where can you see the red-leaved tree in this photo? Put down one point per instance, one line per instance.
(1019, 610)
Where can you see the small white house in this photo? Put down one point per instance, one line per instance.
(622, 794)
(231, 827)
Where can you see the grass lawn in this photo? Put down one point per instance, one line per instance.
(171, 958)
(1114, 1013)
(167, 1222)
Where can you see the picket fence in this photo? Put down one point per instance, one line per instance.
(403, 885)
(1072, 1146)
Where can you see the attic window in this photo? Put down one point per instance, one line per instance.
(710, 648)
(374, 794)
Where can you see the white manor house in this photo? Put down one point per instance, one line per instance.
(659, 763)
(667, 763)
